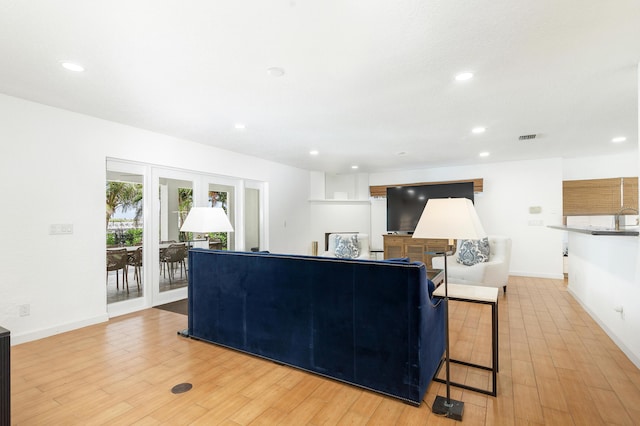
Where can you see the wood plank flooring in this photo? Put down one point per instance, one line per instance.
(557, 367)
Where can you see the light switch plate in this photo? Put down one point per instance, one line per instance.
(61, 229)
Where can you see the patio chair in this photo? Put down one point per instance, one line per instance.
(172, 255)
(135, 260)
(117, 259)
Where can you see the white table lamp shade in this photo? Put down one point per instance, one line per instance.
(449, 218)
(206, 219)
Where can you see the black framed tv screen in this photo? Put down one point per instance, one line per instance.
(406, 203)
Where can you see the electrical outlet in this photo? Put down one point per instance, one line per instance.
(24, 310)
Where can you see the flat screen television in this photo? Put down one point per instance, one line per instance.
(406, 203)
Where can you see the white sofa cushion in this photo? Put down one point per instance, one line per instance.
(494, 273)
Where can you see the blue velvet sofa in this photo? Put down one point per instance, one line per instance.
(368, 323)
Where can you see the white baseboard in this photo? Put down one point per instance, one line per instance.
(632, 357)
(537, 275)
(17, 339)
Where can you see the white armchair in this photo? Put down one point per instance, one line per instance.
(494, 273)
(363, 245)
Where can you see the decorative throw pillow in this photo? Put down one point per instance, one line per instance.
(347, 247)
(471, 252)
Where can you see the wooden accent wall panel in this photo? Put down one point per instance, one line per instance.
(381, 190)
(598, 196)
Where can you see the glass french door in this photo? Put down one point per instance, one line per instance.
(125, 231)
(252, 229)
(146, 218)
(175, 200)
(222, 196)
(174, 197)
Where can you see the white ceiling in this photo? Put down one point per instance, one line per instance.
(364, 80)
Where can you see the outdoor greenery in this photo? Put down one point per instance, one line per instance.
(129, 237)
(133, 236)
(185, 201)
(111, 239)
(126, 196)
(214, 198)
(222, 236)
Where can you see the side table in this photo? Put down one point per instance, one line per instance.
(436, 276)
(485, 296)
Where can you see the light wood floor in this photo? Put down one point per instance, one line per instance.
(556, 367)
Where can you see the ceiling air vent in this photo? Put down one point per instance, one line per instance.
(526, 137)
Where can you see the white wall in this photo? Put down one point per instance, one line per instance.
(510, 188)
(52, 171)
(604, 277)
(353, 186)
(334, 216)
(352, 214)
(624, 164)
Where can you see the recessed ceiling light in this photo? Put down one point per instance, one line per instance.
(618, 139)
(239, 126)
(354, 167)
(484, 154)
(72, 67)
(275, 71)
(314, 152)
(464, 76)
(478, 130)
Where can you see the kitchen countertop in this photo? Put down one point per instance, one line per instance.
(599, 230)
